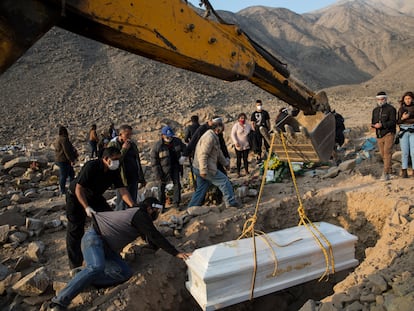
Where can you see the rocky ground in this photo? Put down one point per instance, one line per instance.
(34, 264)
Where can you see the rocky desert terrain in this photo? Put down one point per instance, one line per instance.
(69, 80)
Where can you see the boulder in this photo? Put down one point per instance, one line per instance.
(32, 284)
(35, 250)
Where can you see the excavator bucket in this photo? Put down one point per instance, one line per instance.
(308, 138)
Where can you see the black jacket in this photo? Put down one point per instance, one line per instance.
(163, 160)
(410, 110)
(190, 130)
(131, 168)
(387, 116)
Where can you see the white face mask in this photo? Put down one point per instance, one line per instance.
(113, 165)
(259, 108)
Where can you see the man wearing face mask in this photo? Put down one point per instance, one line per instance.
(166, 162)
(207, 154)
(189, 152)
(130, 164)
(85, 198)
(383, 121)
(101, 245)
(260, 118)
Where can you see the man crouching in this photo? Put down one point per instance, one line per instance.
(101, 245)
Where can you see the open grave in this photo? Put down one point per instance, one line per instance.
(356, 208)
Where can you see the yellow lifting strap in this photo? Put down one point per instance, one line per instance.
(249, 230)
(319, 237)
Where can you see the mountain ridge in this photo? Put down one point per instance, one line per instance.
(356, 36)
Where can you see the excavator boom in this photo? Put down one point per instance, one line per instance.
(169, 31)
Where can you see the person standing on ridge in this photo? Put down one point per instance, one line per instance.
(190, 130)
(166, 162)
(131, 169)
(260, 119)
(383, 121)
(65, 157)
(93, 141)
(406, 135)
(240, 137)
(112, 132)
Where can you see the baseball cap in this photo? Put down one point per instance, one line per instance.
(216, 119)
(167, 131)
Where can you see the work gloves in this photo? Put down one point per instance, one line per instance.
(89, 211)
(182, 160)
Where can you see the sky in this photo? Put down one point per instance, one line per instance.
(298, 6)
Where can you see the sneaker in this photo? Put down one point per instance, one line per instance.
(235, 205)
(53, 306)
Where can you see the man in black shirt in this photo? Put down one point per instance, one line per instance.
(101, 246)
(190, 130)
(260, 118)
(85, 198)
(199, 132)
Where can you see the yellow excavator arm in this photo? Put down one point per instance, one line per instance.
(169, 31)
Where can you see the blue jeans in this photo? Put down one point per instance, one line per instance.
(220, 180)
(133, 191)
(407, 148)
(65, 171)
(94, 148)
(103, 268)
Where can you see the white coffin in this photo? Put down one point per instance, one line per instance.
(221, 275)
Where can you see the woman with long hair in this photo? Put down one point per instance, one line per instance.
(239, 136)
(405, 120)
